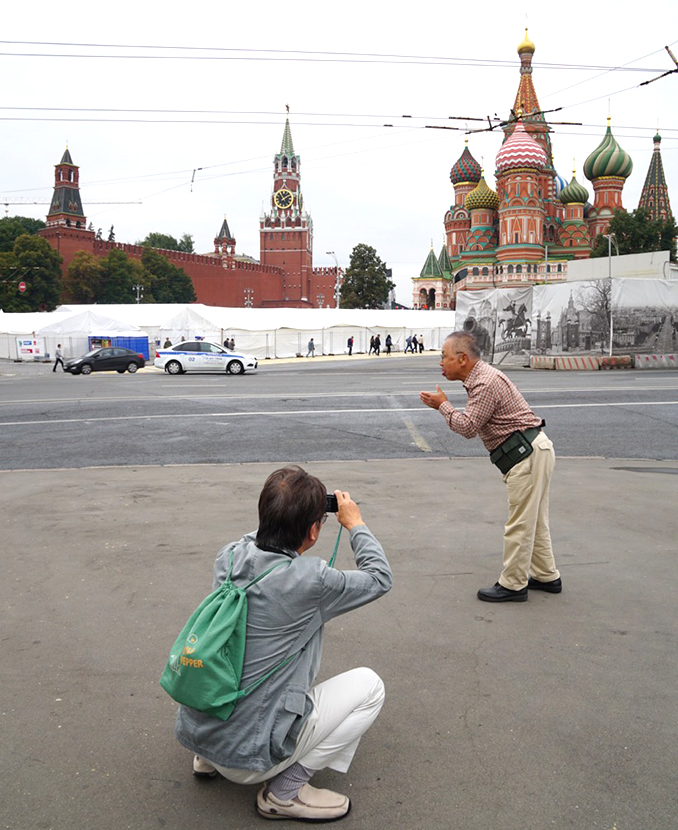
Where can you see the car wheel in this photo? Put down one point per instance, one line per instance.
(86, 369)
(235, 367)
(132, 368)
(174, 368)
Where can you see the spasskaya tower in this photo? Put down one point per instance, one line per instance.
(286, 231)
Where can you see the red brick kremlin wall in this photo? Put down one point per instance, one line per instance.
(218, 281)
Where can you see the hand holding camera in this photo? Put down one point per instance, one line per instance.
(348, 512)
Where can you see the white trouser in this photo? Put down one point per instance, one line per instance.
(344, 708)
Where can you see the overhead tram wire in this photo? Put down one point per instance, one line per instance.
(294, 55)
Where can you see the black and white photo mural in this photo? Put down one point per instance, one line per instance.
(573, 318)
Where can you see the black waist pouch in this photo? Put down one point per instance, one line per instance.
(514, 449)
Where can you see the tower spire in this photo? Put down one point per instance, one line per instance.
(287, 147)
(654, 197)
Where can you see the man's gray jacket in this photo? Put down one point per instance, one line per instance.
(286, 613)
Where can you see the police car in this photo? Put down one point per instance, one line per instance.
(202, 356)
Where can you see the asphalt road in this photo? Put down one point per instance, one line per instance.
(310, 410)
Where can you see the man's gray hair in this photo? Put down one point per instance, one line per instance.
(467, 343)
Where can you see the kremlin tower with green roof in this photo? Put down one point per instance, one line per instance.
(528, 229)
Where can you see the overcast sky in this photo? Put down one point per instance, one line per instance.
(362, 182)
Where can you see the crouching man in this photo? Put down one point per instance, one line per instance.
(288, 728)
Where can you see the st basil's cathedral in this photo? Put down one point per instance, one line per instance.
(534, 223)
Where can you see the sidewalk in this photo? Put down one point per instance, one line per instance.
(554, 713)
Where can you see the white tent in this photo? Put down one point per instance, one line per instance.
(74, 331)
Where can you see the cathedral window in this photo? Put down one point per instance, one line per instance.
(519, 269)
(475, 272)
(485, 272)
(70, 176)
(515, 238)
(510, 269)
(560, 268)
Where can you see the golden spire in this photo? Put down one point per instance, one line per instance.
(526, 44)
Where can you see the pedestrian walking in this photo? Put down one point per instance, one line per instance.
(377, 344)
(388, 343)
(421, 344)
(415, 345)
(513, 435)
(349, 343)
(408, 344)
(59, 358)
(311, 348)
(371, 345)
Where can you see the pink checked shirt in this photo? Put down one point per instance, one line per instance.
(495, 408)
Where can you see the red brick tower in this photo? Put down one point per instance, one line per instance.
(286, 233)
(66, 224)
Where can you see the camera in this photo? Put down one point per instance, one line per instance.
(331, 505)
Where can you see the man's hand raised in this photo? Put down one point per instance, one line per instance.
(348, 513)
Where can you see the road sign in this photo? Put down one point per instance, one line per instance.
(22, 287)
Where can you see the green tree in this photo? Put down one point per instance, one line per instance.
(637, 233)
(84, 278)
(34, 262)
(169, 243)
(12, 227)
(366, 283)
(164, 282)
(120, 273)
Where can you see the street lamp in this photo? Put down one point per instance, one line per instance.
(140, 291)
(610, 237)
(337, 281)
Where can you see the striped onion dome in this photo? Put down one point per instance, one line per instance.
(608, 159)
(520, 150)
(560, 183)
(526, 45)
(465, 169)
(574, 192)
(482, 197)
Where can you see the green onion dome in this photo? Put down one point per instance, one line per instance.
(482, 197)
(574, 192)
(608, 159)
(465, 169)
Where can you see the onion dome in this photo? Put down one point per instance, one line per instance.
(560, 184)
(526, 45)
(465, 169)
(520, 150)
(608, 159)
(482, 197)
(657, 139)
(574, 192)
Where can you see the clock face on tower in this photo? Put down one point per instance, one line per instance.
(283, 198)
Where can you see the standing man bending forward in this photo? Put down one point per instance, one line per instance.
(290, 727)
(499, 415)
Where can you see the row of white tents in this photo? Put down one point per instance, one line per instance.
(265, 333)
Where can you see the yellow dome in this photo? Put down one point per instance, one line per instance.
(526, 45)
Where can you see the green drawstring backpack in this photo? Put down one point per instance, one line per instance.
(205, 665)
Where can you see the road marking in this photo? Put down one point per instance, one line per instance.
(296, 413)
(419, 439)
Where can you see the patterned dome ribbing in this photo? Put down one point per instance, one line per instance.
(608, 159)
(574, 192)
(560, 184)
(520, 150)
(482, 197)
(465, 169)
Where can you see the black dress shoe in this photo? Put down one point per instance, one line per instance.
(554, 587)
(497, 593)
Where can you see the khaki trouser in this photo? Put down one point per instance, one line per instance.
(527, 538)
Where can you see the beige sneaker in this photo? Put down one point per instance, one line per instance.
(309, 805)
(202, 768)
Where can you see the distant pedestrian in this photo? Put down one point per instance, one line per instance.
(408, 343)
(349, 343)
(168, 343)
(415, 345)
(377, 344)
(421, 343)
(371, 345)
(311, 348)
(59, 358)
(232, 344)
(227, 343)
(388, 343)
